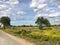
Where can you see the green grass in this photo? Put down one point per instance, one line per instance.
(39, 37)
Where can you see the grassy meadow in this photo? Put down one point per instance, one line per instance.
(48, 36)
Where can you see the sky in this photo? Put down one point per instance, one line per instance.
(25, 12)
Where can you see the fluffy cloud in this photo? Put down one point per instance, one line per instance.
(12, 2)
(45, 5)
(3, 6)
(6, 6)
(41, 6)
(38, 4)
(56, 14)
(20, 12)
(53, 15)
(56, 2)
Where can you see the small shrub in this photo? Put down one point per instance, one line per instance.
(23, 32)
(44, 38)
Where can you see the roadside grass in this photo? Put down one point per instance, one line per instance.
(49, 36)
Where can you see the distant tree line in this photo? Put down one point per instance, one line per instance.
(41, 22)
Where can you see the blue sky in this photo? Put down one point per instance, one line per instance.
(25, 12)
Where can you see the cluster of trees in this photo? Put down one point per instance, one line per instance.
(41, 21)
(5, 21)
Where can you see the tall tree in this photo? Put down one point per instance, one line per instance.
(41, 21)
(47, 23)
(5, 21)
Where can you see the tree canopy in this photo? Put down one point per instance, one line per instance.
(41, 21)
(5, 21)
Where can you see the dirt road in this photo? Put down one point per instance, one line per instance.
(7, 39)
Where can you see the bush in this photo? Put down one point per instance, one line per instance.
(44, 38)
(23, 32)
(35, 35)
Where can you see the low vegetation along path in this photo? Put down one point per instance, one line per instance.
(7, 39)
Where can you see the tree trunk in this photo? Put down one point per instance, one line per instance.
(41, 27)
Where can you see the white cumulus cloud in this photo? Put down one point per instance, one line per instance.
(38, 4)
(7, 6)
(21, 12)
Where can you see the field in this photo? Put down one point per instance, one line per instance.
(48, 36)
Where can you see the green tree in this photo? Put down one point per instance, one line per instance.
(41, 21)
(5, 21)
(47, 23)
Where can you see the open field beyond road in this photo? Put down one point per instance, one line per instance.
(48, 36)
